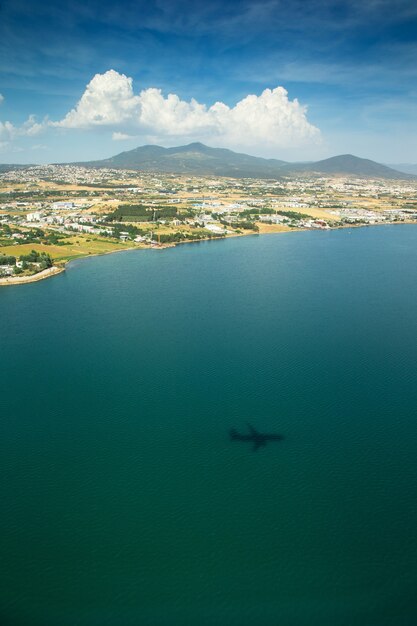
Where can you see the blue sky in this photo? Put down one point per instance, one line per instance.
(348, 72)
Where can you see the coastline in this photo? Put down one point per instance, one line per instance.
(55, 270)
(58, 269)
(21, 280)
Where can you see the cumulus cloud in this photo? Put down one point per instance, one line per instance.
(107, 101)
(30, 128)
(270, 119)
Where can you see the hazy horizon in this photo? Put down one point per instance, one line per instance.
(40, 163)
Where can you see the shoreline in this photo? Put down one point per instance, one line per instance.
(22, 280)
(57, 269)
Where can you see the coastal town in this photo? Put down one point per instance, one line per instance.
(52, 214)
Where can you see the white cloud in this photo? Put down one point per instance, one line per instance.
(107, 101)
(30, 128)
(1, 98)
(121, 136)
(270, 120)
(7, 131)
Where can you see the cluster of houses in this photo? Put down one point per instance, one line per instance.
(8, 270)
(75, 222)
(216, 204)
(300, 223)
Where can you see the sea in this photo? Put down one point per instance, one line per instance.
(124, 502)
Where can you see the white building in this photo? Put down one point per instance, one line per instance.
(56, 206)
(34, 217)
(213, 228)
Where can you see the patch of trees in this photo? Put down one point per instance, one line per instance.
(42, 259)
(256, 211)
(242, 224)
(187, 236)
(35, 235)
(249, 213)
(166, 211)
(54, 239)
(141, 213)
(133, 231)
(170, 237)
(294, 215)
(6, 259)
(267, 211)
(205, 234)
(246, 225)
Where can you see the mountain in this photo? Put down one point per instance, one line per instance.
(195, 158)
(8, 167)
(345, 164)
(198, 159)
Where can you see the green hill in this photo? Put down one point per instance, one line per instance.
(198, 159)
(345, 164)
(195, 158)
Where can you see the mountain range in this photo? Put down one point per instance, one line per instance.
(199, 159)
(195, 158)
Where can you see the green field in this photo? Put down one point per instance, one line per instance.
(77, 246)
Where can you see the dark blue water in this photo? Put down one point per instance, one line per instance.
(124, 503)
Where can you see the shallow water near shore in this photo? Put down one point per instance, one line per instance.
(123, 500)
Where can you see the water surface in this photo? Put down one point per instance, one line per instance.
(123, 501)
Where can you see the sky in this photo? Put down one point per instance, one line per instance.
(291, 79)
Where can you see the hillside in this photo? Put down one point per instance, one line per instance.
(198, 159)
(345, 164)
(195, 158)
(8, 167)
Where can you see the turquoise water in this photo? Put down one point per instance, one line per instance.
(123, 501)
